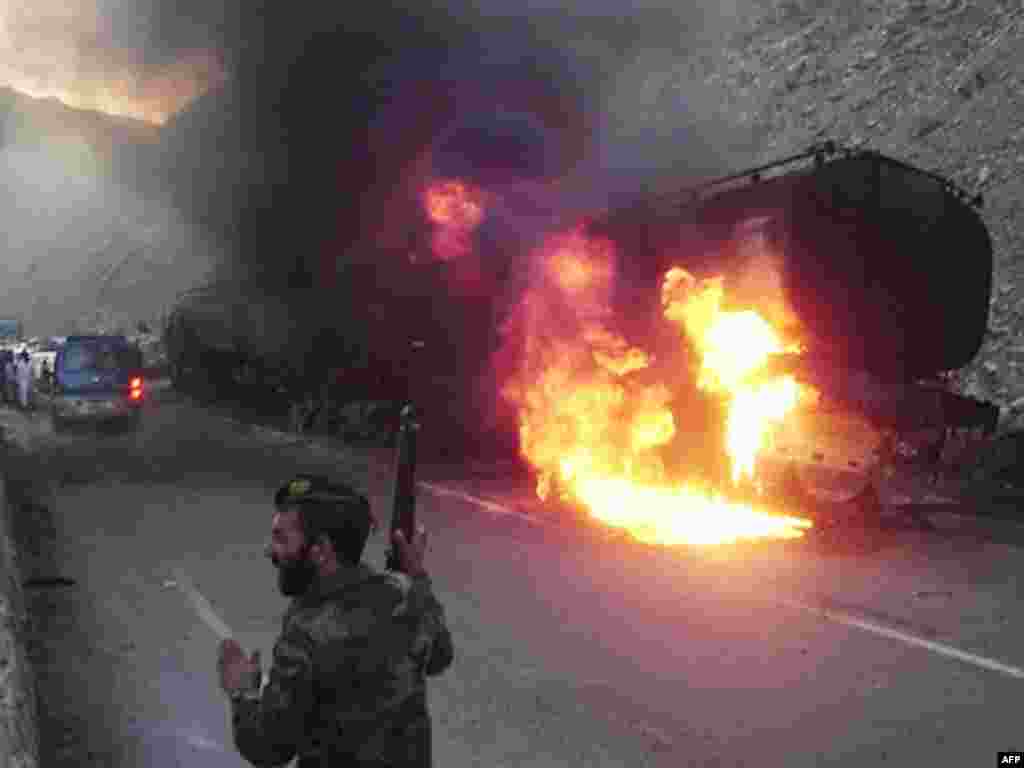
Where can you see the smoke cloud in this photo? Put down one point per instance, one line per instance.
(106, 55)
(85, 251)
(331, 120)
(313, 157)
(91, 242)
(299, 142)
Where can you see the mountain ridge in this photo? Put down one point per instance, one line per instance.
(52, 117)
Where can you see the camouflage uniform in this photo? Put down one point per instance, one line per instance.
(348, 681)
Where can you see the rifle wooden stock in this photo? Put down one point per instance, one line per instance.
(403, 511)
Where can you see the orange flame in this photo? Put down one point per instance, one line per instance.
(734, 347)
(455, 209)
(594, 429)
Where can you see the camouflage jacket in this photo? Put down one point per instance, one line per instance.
(348, 682)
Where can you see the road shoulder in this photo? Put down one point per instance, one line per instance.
(19, 706)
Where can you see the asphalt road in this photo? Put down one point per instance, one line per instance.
(574, 647)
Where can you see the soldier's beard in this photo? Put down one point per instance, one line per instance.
(295, 575)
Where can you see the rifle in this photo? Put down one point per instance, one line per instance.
(403, 510)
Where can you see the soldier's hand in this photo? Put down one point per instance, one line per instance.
(410, 553)
(235, 670)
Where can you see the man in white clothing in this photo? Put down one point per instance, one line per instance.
(24, 377)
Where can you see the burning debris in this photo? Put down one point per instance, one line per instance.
(597, 430)
(455, 209)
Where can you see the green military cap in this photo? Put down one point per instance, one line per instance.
(318, 491)
(315, 488)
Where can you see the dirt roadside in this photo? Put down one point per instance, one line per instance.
(46, 598)
(21, 500)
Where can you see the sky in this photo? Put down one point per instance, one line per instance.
(117, 56)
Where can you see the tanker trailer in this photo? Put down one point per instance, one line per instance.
(888, 271)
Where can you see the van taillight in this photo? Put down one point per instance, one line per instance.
(135, 387)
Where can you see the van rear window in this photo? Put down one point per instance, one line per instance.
(101, 357)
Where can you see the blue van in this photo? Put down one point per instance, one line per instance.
(97, 379)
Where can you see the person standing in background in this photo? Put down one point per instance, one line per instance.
(10, 378)
(46, 377)
(6, 375)
(23, 374)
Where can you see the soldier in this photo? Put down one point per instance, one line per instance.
(347, 686)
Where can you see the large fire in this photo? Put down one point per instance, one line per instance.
(734, 346)
(594, 426)
(455, 209)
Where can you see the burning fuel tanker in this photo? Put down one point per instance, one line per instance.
(877, 275)
(663, 357)
(667, 354)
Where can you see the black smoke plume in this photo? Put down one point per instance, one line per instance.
(308, 164)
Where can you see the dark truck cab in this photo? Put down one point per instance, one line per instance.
(98, 379)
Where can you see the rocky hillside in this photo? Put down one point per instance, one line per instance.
(939, 83)
(89, 243)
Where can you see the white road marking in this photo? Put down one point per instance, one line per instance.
(942, 649)
(840, 617)
(490, 506)
(202, 606)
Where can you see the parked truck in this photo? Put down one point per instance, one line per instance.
(888, 269)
